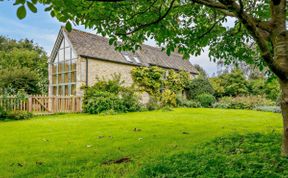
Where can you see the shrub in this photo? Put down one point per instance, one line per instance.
(243, 102)
(18, 115)
(3, 113)
(275, 109)
(183, 102)
(191, 104)
(206, 100)
(168, 98)
(197, 87)
(130, 100)
(152, 105)
(110, 95)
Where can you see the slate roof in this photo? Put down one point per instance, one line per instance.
(94, 46)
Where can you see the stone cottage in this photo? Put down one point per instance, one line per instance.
(79, 57)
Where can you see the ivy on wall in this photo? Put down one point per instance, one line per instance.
(161, 84)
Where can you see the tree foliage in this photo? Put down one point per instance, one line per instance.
(197, 87)
(23, 65)
(235, 83)
(14, 79)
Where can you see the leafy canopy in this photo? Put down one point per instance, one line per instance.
(23, 65)
(185, 25)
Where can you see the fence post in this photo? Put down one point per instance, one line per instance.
(30, 109)
(73, 104)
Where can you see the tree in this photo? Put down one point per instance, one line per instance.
(22, 57)
(258, 36)
(202, 72)
(13, 80)
(234, 83)
(199, 86)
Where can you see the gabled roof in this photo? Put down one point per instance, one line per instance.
(97, 47)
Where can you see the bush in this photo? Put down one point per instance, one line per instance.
(243, 102)
(168, 98)
(18, 115)
(275, 109)
(152, 105)
(197, 87)
(206, 100)
(3, 113)
(109, 95)
(189, 104)
(130, 100)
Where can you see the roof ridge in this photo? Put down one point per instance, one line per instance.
(106, 39)
(97, 46)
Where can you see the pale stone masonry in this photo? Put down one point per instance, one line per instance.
(79, 57)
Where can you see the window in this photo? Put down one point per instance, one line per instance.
(137, 60)
(64, 71)
(126, 56)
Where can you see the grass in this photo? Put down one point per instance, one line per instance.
(82, 145)
(248, 155)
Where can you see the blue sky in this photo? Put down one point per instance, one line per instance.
(43, 30)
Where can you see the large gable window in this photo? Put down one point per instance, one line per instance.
(64, 71)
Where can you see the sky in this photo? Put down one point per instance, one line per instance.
(43, 29)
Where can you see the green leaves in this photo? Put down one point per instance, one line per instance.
(32, 7)
(68, 26)
(19, 2)
(21, 12)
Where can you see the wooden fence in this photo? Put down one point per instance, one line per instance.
(43, 104)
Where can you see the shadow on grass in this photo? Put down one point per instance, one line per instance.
(251, 155)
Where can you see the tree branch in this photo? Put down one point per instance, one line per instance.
(211, 28)
(161, 17)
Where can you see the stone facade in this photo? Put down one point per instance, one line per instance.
(101, 69)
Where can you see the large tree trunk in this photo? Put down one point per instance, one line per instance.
(284, 107)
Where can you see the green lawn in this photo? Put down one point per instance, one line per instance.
(81, 145)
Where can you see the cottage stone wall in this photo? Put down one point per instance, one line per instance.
(103, 69)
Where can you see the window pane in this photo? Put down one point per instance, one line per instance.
(66, 79)
(66, 90)
(61, 55)
(60, 90)
(67, 54)
(73, 55)
(60, 80)
(54, 93)
(54, 79)
(54, 68)
(67, 63)
(73, 65)
(66, 44)
(61, 67)
(73, 89)
(73, 76)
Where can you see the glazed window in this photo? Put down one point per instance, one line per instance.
(64, 71)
